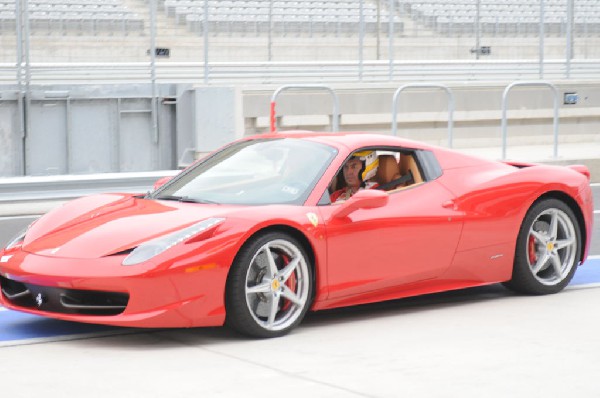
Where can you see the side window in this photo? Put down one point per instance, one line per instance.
(383, 168)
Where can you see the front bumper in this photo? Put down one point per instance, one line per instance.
(102, 291)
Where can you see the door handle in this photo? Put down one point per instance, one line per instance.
(449, 204)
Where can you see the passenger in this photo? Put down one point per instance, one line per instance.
(357, 171)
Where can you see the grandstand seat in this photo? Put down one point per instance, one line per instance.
(289, 17)
(498, 17)
(72, 16)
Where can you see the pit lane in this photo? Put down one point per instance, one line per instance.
(461, 343)
(19, 328)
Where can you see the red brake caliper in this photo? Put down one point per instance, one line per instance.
(290, 283)
(531, 250)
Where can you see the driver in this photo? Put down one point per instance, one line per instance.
(357, 171)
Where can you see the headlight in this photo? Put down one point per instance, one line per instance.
(146, 251)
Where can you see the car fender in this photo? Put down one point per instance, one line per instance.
(306, 226)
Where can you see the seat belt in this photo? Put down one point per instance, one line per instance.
(405, 178)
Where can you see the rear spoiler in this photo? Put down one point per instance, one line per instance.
(580, 168)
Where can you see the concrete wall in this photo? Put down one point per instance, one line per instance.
(75, 129)
(79, 129)
(423, 113)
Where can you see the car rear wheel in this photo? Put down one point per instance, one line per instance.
(548, 249)
(269, 288)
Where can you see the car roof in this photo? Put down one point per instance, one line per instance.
(351, 141)
(348, 140)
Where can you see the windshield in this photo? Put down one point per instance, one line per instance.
(254, 172)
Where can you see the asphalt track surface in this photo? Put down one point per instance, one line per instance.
(483, 341)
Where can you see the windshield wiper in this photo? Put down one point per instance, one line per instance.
(184, 199)
(168, 197)
(187, 199)
(143, 195)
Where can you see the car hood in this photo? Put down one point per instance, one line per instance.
(101, 225)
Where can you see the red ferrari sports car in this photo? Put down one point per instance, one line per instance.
(250, 237)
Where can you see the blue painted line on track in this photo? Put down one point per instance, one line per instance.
(21, 328)
(16, 325)
(588, 273)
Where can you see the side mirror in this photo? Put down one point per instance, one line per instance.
(162, 182)
(364, 199)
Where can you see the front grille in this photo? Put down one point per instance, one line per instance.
(63, 301)
(16, 292)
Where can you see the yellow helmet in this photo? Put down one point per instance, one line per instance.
(370, 164)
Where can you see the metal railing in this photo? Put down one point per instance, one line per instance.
(17, 189)
(504, 121)
(451, 105)
(335, 115)
(361, 30)
(300, 72)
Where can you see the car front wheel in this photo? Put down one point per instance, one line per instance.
(269, 288)
(548, 249)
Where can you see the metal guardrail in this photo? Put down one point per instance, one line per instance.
(451, 105)
(302, 72)
(504, 121)
(335, 115)
(18, 189)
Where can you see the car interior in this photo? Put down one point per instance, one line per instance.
(396, 170)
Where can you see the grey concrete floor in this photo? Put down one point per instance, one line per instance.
(472, 343)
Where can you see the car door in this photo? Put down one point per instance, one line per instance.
(412, 238)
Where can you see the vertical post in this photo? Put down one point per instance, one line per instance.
(542, 34)
(153, 69)
(378, 29)
(117, 141)
(26, 59)
(68, 133)
(361, 34)
(270, 33)
(19, 35)
(570, 25)
(205, 32)
(20, 95)
(273, 117)
(477, 33)
(392, 17)
(26, 35)
(555, 123)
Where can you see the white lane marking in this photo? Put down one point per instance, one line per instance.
(596, 211)
(594, 257)
(583, 286)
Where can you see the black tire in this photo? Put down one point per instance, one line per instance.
(269, 287)
(548, 249)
